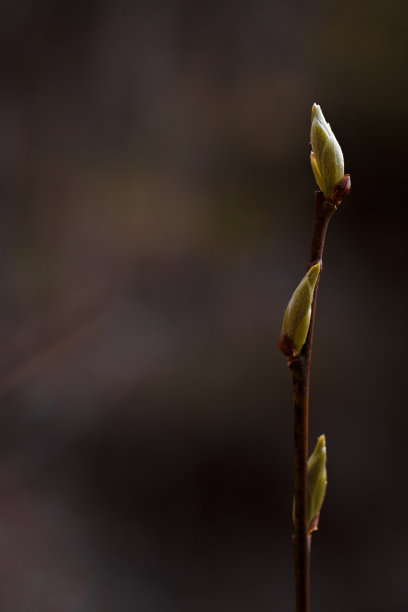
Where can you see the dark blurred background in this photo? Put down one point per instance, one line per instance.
(156, 211)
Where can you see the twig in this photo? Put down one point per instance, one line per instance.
(297, 337)
(300, 368)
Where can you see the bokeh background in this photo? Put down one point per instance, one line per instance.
(156, 210)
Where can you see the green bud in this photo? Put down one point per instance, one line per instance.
(296, 319)
(317, 481)
(326, 156)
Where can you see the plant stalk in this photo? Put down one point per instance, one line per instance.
(300, 369)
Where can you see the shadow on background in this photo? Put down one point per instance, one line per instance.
(156, 210)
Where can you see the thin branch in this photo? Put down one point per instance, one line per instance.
(300, 369)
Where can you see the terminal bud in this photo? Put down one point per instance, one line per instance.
(326, 156)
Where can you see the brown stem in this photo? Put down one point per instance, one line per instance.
(300, 368)
(299, 371)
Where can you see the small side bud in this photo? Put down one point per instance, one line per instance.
(317, 484)
(296, 319)
(317, 481)
(326, 157)
(341, 190)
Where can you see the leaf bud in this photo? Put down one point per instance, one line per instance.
(296, 319)
(326, 156)
(317, 481)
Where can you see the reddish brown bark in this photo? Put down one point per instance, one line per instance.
(300, 369)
